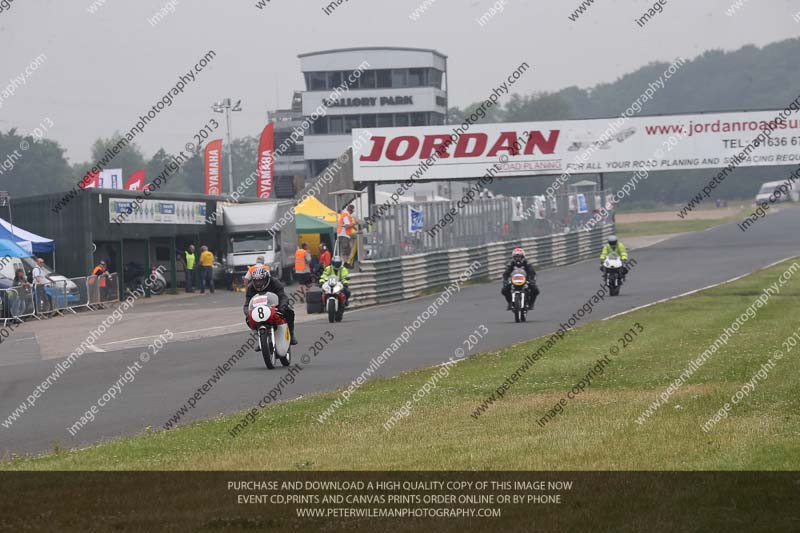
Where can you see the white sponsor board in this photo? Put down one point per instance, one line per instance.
(110, 179)
(675, 142)
(129, 211)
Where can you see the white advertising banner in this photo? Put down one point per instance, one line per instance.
(110, 179)
(128, 211)
(676, 142)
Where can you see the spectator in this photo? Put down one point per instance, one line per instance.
(100, 274)
(40, 279)
(206, 270)
(324, 256)
(190, 267)
(16, 299)
(345, 232)
(20, 280)
(302, 264)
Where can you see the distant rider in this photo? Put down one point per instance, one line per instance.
(338, 269)
(615, 246)
(518, 261)
(261, 282)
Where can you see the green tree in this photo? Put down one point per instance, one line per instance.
(29, 167)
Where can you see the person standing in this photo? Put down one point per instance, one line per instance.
(302, 264)
(206, 270)
(324, 256)
(344, 232)
(100, 273)
(17, 296)
(190, 265)
(324, 261)
(40, 279)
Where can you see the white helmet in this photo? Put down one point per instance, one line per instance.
(260, 278)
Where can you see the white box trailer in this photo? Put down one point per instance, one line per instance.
(260, 229)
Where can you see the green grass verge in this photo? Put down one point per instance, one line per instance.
(666, 227)
(596, 431)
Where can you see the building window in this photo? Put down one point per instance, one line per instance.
(385, 121)
(316, 81)
(368, 121)
(320, 126)
(401, 120)
(417, 77)
(367, 79)
(419, 119)
(384, 79)
(399, 78)
(351, 122)
(336, 125)
(318, 166)
(436, 78)
(334, 79)
(436, 119)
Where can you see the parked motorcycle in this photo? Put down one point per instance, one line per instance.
(136, 274)
(333, 298)
(612, 269)
(274, 340)
(519, 294)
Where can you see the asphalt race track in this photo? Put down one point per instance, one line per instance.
(670, 268)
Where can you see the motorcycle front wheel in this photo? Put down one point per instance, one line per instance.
(331, 310)
(267, 348)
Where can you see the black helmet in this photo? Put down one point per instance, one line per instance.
(336, 262)
(260, 278)
(612, 240)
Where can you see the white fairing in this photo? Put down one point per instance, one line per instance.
(612, 261)
(260, 312)
(332, 286)
(282, 340)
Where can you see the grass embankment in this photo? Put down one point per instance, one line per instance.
(596, 430)
(666, 223)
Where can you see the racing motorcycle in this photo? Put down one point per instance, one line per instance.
(612, 269)
(333, 298)
(519, 293)
(274, 340)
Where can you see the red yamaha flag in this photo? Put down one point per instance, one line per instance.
(213, 157)
(266, 163)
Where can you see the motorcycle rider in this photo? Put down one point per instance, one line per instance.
(338, 269)
(615, 246)
(518, 261)
(262, 282)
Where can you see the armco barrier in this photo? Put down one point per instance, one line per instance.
(390, 280)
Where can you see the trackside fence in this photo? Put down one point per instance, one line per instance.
(389, 280)
(39, 300)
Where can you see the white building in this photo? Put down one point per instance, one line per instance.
(399, 87)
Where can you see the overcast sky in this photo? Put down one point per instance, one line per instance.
(105, 69)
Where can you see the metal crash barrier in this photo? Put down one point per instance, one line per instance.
(16, 303)
(56, 297)
(102, 290)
